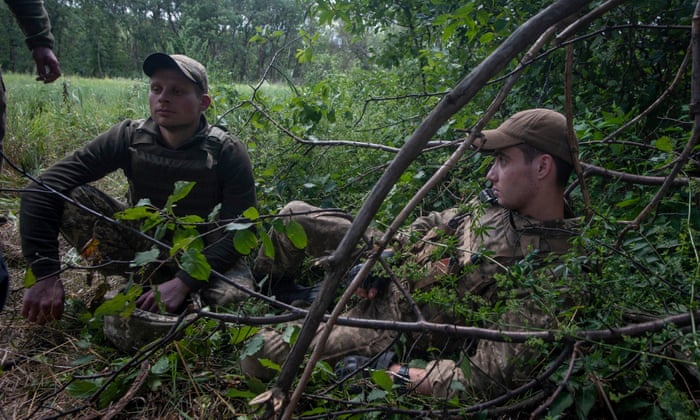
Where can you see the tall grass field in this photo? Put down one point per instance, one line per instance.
(45, 122)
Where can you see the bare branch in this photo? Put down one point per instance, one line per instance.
(586, 19)
(632, 178)
(695, 113)
(451, 103)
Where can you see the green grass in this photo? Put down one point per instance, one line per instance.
(45, 122)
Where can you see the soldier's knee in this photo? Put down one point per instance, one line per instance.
(272, 347)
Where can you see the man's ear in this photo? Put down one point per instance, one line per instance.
(545, 165)
(204, 102)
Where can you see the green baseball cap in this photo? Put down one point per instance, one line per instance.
(541, 128)
(192, 69)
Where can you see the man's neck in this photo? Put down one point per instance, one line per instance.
(546, 207)
(175, 137)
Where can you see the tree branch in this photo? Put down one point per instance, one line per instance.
(448, 106)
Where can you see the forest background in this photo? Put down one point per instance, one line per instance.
(325, 94)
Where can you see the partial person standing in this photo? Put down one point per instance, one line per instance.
(36, 25)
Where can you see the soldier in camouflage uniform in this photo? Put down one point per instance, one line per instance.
(34, 21)
(175, 144)
(523, 217)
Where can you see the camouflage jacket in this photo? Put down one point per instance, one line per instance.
(486, 239)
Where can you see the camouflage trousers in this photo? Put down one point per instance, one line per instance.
(494, 367)
(110, 247)
(324, 231)
(346, 340)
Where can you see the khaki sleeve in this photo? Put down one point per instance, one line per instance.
(500, 365)
(442, 374)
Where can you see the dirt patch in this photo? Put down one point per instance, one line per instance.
(36, 359)
(51, 371)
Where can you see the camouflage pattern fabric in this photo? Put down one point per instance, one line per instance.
(324, 230)
(480, 254)
(111, 247)
(342, 341)
(101, 242)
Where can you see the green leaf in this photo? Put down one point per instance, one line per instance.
(111, 393)
(145, 257)
(195, 264)
(134, 213)
(290, 334)
(252, 347)
(267, 363)
(83, 360)
(182, 189)
(381, 378)
(664, 144)
(122, 303)
(240, 334)
(560, 404)
(251, 214)
(267, 245)
(585, 399)
(240, 394)
(237, 226)
(186, 239)
(376, 394)
(29, 278)
(214, 214)
(161, 366)
(190, 220)
(161, 230)
(80, 388)
(278, 225)
(295, 233)
(244, 241)
(627, 203)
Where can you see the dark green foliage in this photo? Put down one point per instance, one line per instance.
(412, 52)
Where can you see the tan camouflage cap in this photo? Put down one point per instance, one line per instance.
(192, 69)
(541, 128)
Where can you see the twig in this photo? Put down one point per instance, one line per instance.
(538, 412)
(586, 19)
(123, 401)
(695, 114)
(571, 137)
(604, 396)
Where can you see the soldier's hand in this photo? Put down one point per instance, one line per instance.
(171, 293)
(43, 302)
(371, 286)
(47, 66)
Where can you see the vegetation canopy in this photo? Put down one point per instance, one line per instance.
(370, 107)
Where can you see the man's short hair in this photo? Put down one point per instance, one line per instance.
(562, 167)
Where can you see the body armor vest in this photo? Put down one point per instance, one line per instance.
(154, 170)
(487, 244)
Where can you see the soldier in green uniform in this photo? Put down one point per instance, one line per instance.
(523, 215)
(35, 23)
(176, 143)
